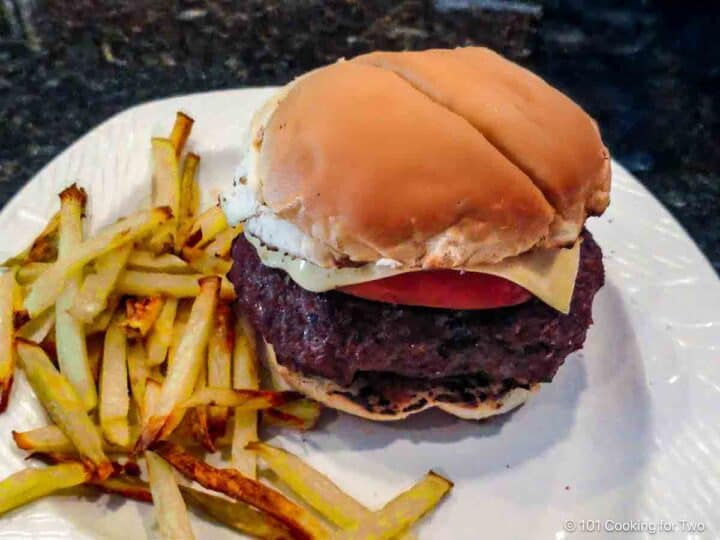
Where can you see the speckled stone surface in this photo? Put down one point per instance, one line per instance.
(649, 72)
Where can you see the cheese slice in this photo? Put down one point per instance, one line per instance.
(549, 274)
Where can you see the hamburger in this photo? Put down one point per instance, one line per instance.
(414, 232)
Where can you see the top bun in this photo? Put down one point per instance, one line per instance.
(433, 159)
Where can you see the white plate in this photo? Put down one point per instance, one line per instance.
(628, 432)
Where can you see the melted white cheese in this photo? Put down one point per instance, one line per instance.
(548, 274)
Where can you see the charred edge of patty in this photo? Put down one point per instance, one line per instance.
(391, 395)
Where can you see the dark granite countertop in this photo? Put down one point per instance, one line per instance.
(649, 72)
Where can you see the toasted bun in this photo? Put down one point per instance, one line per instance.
(434, 159)
(345, 399)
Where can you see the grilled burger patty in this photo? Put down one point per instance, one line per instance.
(341, 337)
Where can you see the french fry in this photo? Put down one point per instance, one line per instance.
(63, 405)
(184, 370)
(166, 175)
(181, 319)
(7, 355)
(94, 352)
(200, 424)
(220, 247)
(30, 271)
(236, 515)
(301, 523)
(69, 332)
(312, 486)
(93, 296)
(31, 484)
(181, 131)
(206, 263)
(245, 376)
(161, 241)
(170, 510)
(189, 195)
(102, 321)
(38, 328)
(137, 283)
(206, 228)
(233, 514)
(49, 285)
(43, 248)
(165, 262)
(220, 349)
(114, 400)
(302, 414)
(403, 511)
(244, 400)
(127, 486)
(52, 440)
(161, 333)
(141, 314)
(138, 373)
(153, 388)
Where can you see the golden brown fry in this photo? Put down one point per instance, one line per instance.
(30, 271)
(38, 328)
(237, 515)
(43, 248)
(128, 487)
(48, 287)
(166, 262)
(114, 400)
(200, 424)
(403, 511)
(166, 175)
(245, 376)
(102, 321)
(137, 283)
(302, 524)
(30, 484)
(153, 387)
(139, 373)
(161, 333)
(161, 241)
(7, 355)
(206, 227)
(220, 348)
(181, 131)
(234, 514)
(96, 289)
(220, 247)
(69, 332)
(170, 510)
(302, 414)
(189, 195)
(141, 314)
(51, 439)
(245, 400)
(312, 486)
(63, 405)
(205, 263)
(183, 372)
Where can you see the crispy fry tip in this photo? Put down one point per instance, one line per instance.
(20, 317)
(74, 193)
(5, 390)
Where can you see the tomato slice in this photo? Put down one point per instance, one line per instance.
(442, 289)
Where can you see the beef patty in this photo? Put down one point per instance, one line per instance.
(341, 337)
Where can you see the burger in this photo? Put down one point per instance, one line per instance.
(414, 232)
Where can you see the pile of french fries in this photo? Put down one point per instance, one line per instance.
(129, 342)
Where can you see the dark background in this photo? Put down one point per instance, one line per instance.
(649, 72)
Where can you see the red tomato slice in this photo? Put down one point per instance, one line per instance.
(442, 289)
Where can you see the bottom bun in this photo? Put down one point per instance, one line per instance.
(471, 402)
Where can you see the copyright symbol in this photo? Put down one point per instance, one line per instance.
(569, 526)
